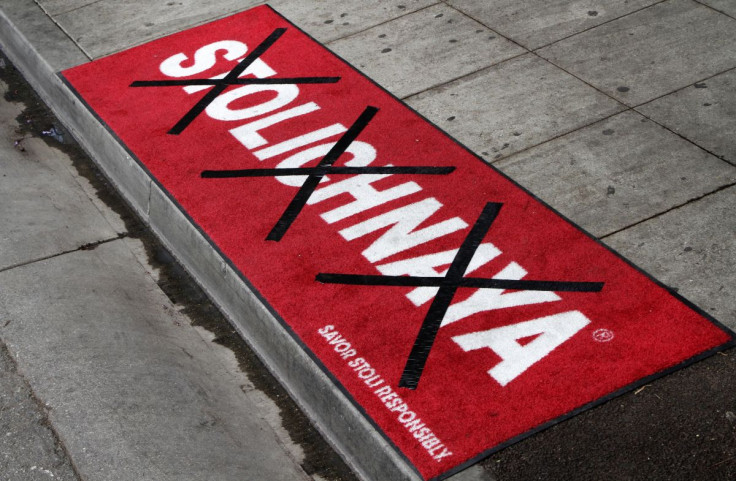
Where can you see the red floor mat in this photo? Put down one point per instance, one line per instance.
(456, 310)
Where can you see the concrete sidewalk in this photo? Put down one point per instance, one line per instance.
(107, 344)
(619, 114)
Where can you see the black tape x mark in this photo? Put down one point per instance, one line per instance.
(220, 85)
(324, 167)
(448, 285)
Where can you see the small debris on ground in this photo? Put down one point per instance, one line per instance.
(55, 133)
(641, 389)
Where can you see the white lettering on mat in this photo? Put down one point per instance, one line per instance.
(390, 399)
(400, 226)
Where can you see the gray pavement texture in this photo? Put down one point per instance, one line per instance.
(111, 346)
(29, 448)
(620, 114)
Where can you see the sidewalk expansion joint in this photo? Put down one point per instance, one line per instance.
(379, 24)
(64, 12)
(636, 109)
(667, 211)
(488, 27)
(563, 134)
(583, 80)
(598, 25)
(700, 2)
(85, 247)
(704, 79)
(63, 30)
(720, 157)
(455, 79)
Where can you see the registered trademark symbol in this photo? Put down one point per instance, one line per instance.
(603, 335)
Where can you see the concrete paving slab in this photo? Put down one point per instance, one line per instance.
(29, 449)
(328, 20)
(652, 52)
(108, 26)
(32, 22)
(132, 390)
(538, 22)
(617, 172)
(57, 7)
(704, 113)
(692, 249)
(513, 106)
(43, 210)
(726, 6)
(38, 48)
(403, 55)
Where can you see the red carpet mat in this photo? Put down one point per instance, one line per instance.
(457, 311)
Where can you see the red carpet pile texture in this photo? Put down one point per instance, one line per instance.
(455, 309)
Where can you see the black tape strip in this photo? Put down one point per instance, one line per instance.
(237, 81)
(441, 302)
(306, 190)
(425, 339)
(294, 208)
(198, 108)
(220, 87)
(448, 285)
(285, 80)
(349, 136)
(471, 282)
(175, 82)
(419, 170)
(472, 241)
(254, 54)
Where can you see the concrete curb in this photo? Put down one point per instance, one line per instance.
(365, 450)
